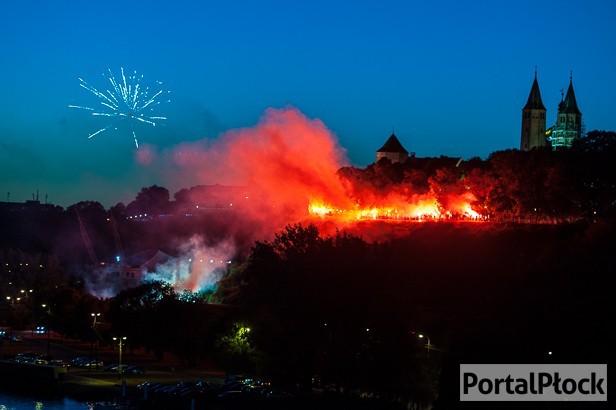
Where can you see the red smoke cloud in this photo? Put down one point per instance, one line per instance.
(286, 167)
(285, 162)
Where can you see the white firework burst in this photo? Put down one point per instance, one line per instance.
(126, 100)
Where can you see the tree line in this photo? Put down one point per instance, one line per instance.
(510, 185)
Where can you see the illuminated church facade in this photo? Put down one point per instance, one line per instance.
(568, 125)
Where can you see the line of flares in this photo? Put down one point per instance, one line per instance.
(421, 210)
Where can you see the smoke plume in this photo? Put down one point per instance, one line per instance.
(276, 169)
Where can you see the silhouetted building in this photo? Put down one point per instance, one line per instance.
(28, 207)
(533, 120)
(392, 150)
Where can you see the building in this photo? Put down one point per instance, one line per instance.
(568, 125)
(392, 150)
(109, 279)
(533, 120)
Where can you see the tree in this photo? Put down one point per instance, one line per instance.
(136, 313)
(596, 141)
(480, 183)
(445, 184)
(594, 170)
(235, 351)
(153, 200)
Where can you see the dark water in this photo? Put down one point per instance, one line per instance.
(10, 401)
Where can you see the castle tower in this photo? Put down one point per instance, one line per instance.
(568, 125)
(533, 120)
(393, 150)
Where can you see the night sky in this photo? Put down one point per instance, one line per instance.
(450, 76)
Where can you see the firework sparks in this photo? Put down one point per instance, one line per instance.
(126, 99)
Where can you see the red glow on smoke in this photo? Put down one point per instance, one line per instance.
(284, 162)
(288, 165)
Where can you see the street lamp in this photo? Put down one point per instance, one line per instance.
(95, 316)
(120, 339)
(48, 321)
(421, 336)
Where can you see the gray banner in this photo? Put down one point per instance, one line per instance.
(533, 382)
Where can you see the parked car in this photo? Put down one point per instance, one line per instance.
(26, 357)
(93, 363)
(133, 370)
(232, 396)
(59, 363)
(149, 385)
(44, 357)
(277, 394)
(114, 367)
(79, 361)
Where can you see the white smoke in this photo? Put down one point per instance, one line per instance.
(199, 267)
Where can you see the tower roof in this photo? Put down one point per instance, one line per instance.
(392, 145)
(534, 98)
(569, 104)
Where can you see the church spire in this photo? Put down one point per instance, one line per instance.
(569, 104)
(533, 119)
(568, 125)
(534, 98)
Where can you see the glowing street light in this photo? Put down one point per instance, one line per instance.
(95, 316)
(47, 327)
(421, 336)
(120, 339)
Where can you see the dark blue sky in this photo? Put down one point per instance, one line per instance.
(450, 76)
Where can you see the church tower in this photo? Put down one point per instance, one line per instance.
(392, 150)
(568, 125)
(533, 120)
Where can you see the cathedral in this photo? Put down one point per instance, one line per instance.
(568, 125)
